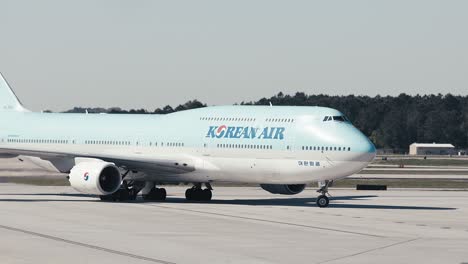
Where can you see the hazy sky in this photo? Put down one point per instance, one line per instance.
(149, 53)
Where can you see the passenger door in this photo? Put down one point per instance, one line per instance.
(289, 141)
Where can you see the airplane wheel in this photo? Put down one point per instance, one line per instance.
(322, 201)
(163, 193)
(156, 194)
(189, 194)
(207, 195)
(122, 195)
(198, 195)
(132, 195)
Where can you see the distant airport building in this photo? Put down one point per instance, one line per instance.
(431, 149)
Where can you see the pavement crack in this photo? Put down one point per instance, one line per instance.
(370, 250)
(111, 251)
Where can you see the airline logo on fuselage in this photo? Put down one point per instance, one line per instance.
(86, 176)
(246, 132)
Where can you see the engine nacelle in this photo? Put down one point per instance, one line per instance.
(96, 177)
(285, 189)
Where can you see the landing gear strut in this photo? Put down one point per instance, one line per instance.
(151, 193)
(196, 193)
(322, 199)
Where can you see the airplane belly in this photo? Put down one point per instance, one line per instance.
(273, 171)
(241, 170)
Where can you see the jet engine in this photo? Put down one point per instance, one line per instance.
(98, 177)
(286, 189)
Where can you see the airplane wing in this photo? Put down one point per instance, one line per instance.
(153, 164)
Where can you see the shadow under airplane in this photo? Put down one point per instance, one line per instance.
(335, 202)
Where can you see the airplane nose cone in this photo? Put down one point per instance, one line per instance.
(365, 148)
(371, 151)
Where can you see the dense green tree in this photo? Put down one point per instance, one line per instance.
(395, 122)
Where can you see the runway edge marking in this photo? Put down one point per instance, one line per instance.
(121, 253)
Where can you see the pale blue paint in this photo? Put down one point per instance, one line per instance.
(184, 127)
(308, 128)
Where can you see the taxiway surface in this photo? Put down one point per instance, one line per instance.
(242, 225)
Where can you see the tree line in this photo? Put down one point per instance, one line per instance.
(392, 122)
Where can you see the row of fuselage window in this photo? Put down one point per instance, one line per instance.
(284, 120)
(107, 142)
(127, 143)
(326, 148)
(88, 142)
(245, 119)
(169, 144)
(38, 141)
(244, 146)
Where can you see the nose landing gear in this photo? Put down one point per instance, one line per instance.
(322, 200)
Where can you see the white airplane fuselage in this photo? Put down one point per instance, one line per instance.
(250, 144)
(277, 145)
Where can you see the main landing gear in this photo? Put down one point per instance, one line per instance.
(127, 192)
(196, 193)
(155, 194)
(322, 199)
(151, 193)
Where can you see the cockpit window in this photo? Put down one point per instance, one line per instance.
(339, 118)
(336, 118)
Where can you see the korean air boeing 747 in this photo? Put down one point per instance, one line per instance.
(281, 148)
